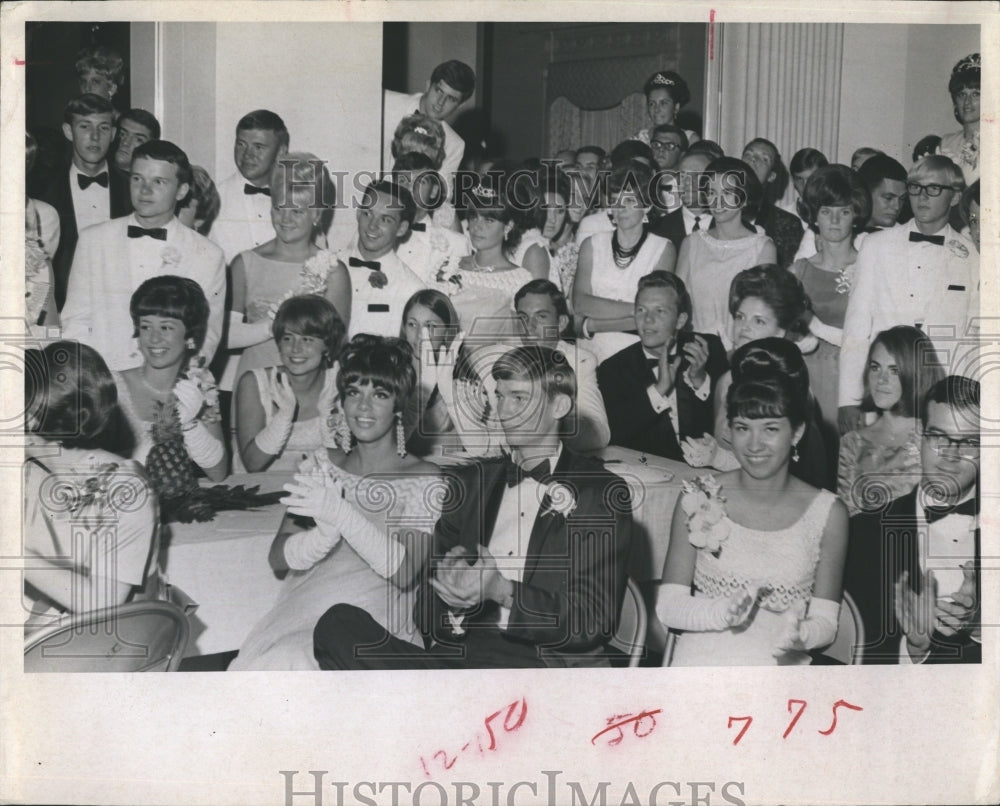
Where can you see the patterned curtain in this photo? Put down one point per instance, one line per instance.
(572, 127)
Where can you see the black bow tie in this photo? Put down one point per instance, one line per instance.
(86, 181)
(516, 474)
(418, 226)
(932, 514)
(374, 265)
(160, 233)
(251, 190)
(919, 236)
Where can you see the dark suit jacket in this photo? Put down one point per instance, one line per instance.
(55, 190)
(671, 227)
(882, 545)
(566, 607)
(623, 379)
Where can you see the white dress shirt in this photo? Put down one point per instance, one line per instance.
(704, 220)
(900, 282)
(90, 206)
(668, 403)
(379, 310)
(244, 220)
(512, 529)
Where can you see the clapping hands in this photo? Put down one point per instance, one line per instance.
(315, 496)
(190, 400)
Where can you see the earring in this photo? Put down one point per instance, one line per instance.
(189, 344)
(400, 435)
(795, 453)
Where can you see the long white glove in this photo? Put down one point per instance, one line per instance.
(304, 549)
(325, 405)
(323, 500)
(204, 448)
(678, 609)
(817, 629)
(272, 438)
(247, 334)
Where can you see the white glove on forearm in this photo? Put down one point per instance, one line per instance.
(272, 438)
(247, 334)
(382, 552)
(202, 447)
(304, 549)
(817, 629)
(678, 609)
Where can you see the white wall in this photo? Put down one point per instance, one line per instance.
(323, 79)
(895, 84)
(431, 43)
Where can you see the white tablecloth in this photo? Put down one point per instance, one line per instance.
(223, 565)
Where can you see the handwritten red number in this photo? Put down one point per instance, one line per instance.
(510, 713)
(746, 727)
(836, 705)
(794, 718)
(444, 759)
(423, 764)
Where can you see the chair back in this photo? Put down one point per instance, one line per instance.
(630, 637)
(848, 646)
(146, 636)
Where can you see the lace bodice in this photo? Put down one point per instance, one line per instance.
(870, 474)
(784, 559)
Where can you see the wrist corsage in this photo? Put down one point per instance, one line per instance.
(205, 381)
(702, 501)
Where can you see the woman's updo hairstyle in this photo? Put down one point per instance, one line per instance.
(492, 198)
(780, 290)
(670, 81)
(378, 361)
(770, 379)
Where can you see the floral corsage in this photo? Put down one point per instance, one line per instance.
(702, 501)
(561, 499)
(202, 376)
(449, 278)
(311, 280)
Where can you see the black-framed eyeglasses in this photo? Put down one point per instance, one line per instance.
(659, 145)
(931, 190)
(967, 447)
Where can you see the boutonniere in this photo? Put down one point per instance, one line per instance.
(970, 151)
(562, 500)
(702, 501)
(958, 248)
(455, 623)
(170, 257)
(378, 278)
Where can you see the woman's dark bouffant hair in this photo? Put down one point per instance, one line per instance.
(770, 379)
(175, 298)
(742, 179)
(492, 198)
(70, 397)
(837, 186)
(379, 361)
(633, 176)
(780, 290)
(311, 315)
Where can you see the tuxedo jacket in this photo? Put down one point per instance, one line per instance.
(624, 378)
(55, 190)
(671, 226)
(102, 283)
(882, 545)
(567, 605)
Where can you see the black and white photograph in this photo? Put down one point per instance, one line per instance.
(445, 345)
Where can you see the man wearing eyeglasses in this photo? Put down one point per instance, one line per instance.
(922, 273)
(913, 568)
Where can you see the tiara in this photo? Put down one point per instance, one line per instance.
(970, 62)
(483, 192)
(421, 130)
(659, 78)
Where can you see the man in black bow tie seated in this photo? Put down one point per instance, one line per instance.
(528, 564)
(922, 273)
(381, 282)
(244, 219)
(658, 391)
(84, 192)
(913, 568)
(114, 258)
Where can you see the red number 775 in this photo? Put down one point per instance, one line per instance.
(747, 720)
